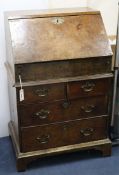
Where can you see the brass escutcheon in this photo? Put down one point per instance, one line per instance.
(57, 20)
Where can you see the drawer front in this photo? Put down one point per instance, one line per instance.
(67, 133)
(89, 88)
(42, 93)
(62, 111)
(62, 69)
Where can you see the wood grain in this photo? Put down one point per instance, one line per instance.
(62, 69)
(47, 113)
(67, 133)
(39, 39)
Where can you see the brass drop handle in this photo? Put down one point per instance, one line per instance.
(43, 139)
(88, 86)
(88, 108)
(42, 92)
(42, 114)
(87, 132)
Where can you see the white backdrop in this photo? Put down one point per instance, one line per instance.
(109, 11)
(107, 7)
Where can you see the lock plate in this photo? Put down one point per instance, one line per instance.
(57, 20)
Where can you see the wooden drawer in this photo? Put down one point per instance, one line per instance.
(61, 134)
(62, 69)
(89, 88)
(42, 93)
(62, 111)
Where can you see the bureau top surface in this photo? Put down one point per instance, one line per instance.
(38, 36)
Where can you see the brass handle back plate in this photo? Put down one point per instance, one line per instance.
(88, 86)
(88, 108)
(42, 114)
(43, 139)
(87, 132)
(42, 92)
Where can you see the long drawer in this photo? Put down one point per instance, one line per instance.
(70, 90)
(37, 114)
(62, 69)
(61, 134)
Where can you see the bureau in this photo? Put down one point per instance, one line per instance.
(60, 82)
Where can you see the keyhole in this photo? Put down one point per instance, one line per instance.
(57, 21)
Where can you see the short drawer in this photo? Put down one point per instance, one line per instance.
(37, 114)
(61, 134)
(89, 88)
(62, 69)
(42, 93)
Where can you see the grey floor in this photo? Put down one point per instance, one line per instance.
(79, 163)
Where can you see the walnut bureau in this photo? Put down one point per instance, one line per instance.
(60, 82)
